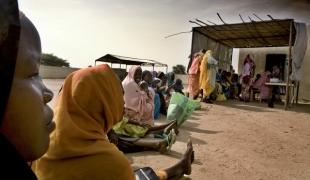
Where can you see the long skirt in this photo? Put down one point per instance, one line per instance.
(193, 84)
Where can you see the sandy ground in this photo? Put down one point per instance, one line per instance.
(236, 140)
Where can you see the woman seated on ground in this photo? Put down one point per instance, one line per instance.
(225, 83)
(152, 84)
(234, 86)
(138, 118)
(157, 103)
(245, 88)
(139, 105)
(79, 148)
(161, 90)
(170, 78)
(178, 86)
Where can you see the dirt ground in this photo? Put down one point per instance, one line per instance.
(237, 140)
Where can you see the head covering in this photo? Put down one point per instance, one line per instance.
(154, 73)
(136, 99)
(160, 74)
(170, 78)
(90, 103)
(262, 80)
(15, 166)
(145, 73)
(247, 59)
(9, 39)
(132, 92)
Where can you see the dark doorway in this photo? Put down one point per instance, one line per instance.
(276, 60)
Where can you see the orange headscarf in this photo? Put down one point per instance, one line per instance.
(90, 103)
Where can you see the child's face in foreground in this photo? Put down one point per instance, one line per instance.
(144, 86)
(28, 120)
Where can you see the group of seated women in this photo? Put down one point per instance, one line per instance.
(145, 97)
(88, 106)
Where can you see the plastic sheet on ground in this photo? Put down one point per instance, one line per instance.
(180, 108)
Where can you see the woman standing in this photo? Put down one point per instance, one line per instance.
(246, 78)
(207, 78)
(193, 75)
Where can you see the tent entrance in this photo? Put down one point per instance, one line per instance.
(276, 60)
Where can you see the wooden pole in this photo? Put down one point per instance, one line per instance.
(218, 14)
(287, 95)
(192, 51)
(297, 93)
(241, 18)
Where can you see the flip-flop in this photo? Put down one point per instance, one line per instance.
(171, 138)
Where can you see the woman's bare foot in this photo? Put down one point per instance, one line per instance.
(172, 125)
(188, 158)
(162, 146)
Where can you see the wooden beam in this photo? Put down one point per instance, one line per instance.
(177, 34)
(201, 22)
(287, 95)
(218, 14)
(211, 22)
(257, 17)
(241, 18)
(192, 51)
(254, 37)
(194, 22)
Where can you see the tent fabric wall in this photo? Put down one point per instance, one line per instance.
(221, 52)
(299, 50)
(304, 90)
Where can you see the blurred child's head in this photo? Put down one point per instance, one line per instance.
(143, 86)
(178, 81)
(155, 83)
(147, 76)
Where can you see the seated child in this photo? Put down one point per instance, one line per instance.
(178, 86)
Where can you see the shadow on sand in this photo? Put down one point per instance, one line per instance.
(262, 106)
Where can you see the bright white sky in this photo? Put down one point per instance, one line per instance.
(81, 31)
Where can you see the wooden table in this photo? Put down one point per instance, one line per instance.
(280, 84)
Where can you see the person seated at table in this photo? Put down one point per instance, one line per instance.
(79, 148)
(254, 89)
(278, 91)
(260, 84)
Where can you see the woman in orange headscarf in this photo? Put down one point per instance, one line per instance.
(89, 104)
